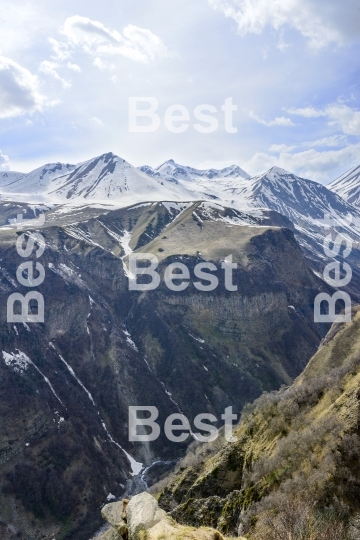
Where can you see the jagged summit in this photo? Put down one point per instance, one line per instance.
(170, 167)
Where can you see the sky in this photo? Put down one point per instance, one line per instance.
(70, 69)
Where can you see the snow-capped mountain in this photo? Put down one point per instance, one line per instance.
(295, 197)
(173, 171)
(37, 181)
(7, 177)
(111, 180)
(348, 186)
(212, 182)
(304, 202)
(102, 179)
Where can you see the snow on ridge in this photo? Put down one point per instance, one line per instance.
(181, 206)
(347, 186)
(20, 362)
(104, 178)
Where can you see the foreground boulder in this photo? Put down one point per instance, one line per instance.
(143, 513)
(142, 519)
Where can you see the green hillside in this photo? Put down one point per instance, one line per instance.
(293, 472)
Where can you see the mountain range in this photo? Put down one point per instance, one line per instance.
(109, 182)
(66, 385)
(110, 178)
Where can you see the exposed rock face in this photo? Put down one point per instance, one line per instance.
(115, 514)
(143, 513)
(146, 521)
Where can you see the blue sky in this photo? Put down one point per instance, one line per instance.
(68, 69)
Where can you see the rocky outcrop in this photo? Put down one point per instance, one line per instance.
(142, 519)
(115, 514)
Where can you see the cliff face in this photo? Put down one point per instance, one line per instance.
(295, 463)
(228, 346)
(66, 385)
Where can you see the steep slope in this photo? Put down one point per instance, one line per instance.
(66, 385)
(9, 176)
(225, 326)
(348, 186)
(294, 466)
(295, 197)
(102, 179)
(305, 203)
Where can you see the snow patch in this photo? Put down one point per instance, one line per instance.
(130, 341)
(18, 361)
(197, 339)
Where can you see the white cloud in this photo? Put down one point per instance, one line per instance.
(103, 65)
(144, 42)
(49, 68)
(4, 162)
(309, 163)
(340, 115)
(334, 140)
(279, 121)
(321, 22)
(306, 112)
(97, 121)
(19, 91)
(344, 117)
(96, 39)
(61, 50)
(282, 45)
(281, 148)
(73, 67)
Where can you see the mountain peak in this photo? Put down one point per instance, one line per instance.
(278, 170)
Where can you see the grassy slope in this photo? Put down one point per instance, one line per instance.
(206, 237)
(299, 442)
